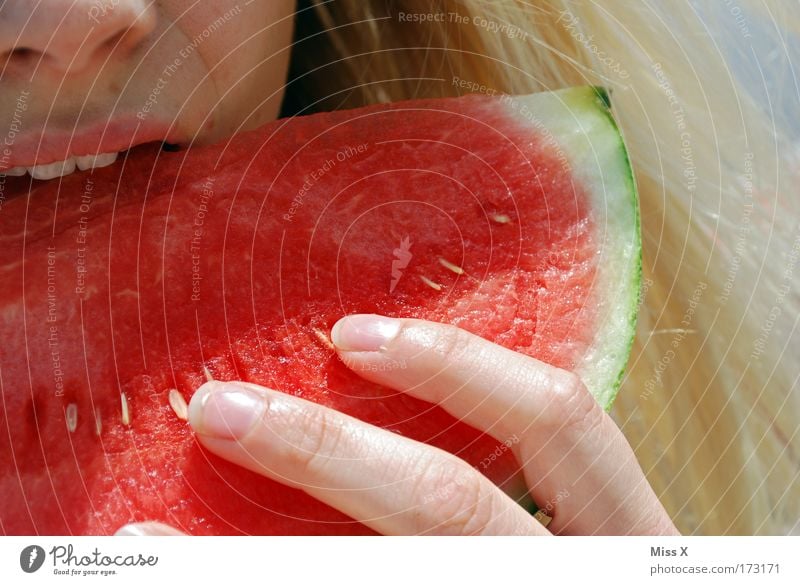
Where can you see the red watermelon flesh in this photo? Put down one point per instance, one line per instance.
(124, 283)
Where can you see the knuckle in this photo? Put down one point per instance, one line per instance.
(451, 343)
(313, 442)
(571, 408)
(453, 500)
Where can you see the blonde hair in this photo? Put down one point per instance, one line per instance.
(709, 402)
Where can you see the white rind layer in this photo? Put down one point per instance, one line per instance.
(578, 121)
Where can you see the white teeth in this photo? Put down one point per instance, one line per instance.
(95, 161)
(64, 167)
(14, 172)
(53, 170)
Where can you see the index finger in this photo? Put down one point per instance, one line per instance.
(567, 442)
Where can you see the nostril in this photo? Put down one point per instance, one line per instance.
(21, 53)
(59, 34)
(115, 41)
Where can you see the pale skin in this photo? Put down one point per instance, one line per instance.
(88, 61)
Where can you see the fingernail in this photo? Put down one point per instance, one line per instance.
(147, 529)
(364, 332)
(225, 410)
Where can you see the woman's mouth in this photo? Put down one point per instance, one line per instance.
(63, 167)
(49, 154)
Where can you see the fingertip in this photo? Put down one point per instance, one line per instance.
(226, 410)
(197, 403)
(336, 333)
(148, 529)
(364, 332)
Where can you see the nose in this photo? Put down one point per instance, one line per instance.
(71, 35)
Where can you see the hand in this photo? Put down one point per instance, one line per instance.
(565, 440)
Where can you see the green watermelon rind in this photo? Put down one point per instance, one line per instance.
(636, 282)
(579, 121)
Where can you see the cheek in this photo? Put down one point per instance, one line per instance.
(246, 50)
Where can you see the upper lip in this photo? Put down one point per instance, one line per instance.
(43, 146)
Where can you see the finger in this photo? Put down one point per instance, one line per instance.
(148, 529)
(388, 482)
(577, 463)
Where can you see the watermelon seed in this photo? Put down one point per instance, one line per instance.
(72, 417)
(500, 218)
(430, 283)
(98, 423)
(450, 266)
(207, 373)
(178, 404)
(324, 339)
(126, 415)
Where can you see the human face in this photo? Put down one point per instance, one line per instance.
(81, 78)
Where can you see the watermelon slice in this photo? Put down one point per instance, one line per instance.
(123, 288)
